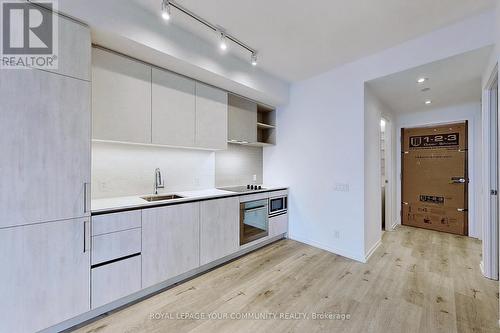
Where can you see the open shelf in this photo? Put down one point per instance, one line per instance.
(266, 126)
(262, 125)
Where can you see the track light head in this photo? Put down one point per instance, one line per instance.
(223, 42)
(254, 59)
(165, 10)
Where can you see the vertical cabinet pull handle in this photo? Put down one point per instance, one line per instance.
(86, 237)
(86, 197)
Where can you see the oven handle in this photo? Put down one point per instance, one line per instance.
(254, 209)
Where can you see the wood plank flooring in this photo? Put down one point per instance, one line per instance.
(417, 281)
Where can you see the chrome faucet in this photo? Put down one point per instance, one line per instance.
(158, 180)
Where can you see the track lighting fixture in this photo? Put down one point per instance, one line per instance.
(254, 59)
(167, 5)
(223, 43)
(165, 10)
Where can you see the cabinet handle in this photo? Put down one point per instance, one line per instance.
(86, 237)
(86, 197)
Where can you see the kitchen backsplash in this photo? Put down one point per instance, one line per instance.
(124, 169)
(237, 165)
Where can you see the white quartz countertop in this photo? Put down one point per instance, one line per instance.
(135, 202)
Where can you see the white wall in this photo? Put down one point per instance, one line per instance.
(321, 137)
(472, 113)
(125, 169)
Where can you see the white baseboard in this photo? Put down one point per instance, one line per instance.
(328, 248)
(372, 250)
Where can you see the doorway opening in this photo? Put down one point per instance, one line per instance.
(489, 265)
(385, 149)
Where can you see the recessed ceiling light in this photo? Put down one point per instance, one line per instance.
(428, 102)
(422, 80)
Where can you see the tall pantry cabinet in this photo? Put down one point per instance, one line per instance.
(45, 140)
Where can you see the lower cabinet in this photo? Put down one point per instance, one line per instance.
(115, 280)
(46, 275)
(219, 228)
(278, 225)
(170, 242)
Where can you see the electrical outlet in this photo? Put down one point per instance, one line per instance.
(196, 181)
(254, 178)
(341, 187)
(336, 234)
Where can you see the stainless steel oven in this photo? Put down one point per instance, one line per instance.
(278, 205)
(254, 221)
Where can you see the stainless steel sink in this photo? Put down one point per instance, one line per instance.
(160, 197)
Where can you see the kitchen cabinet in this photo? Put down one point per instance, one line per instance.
(121, 98)
(173, 109)
(46, 275)
(170, 242)
(242, 120)
(108, 223)
(73, 39)
(115, 280)
(211, 117)
(115, 245)
(219, 228)
(45, 135)
(278, 225)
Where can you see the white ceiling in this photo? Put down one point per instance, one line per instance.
(452, 81)
(297, 39)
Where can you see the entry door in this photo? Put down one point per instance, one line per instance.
(434, 184)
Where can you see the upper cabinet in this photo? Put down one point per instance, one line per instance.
(173, 109)
(74, 49)
(242, 120)
(138, 103)
(121, 98)
(211, 117)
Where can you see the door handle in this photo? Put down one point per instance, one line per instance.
(86, 197)
(462, 209)
(458, 180)
(87, 239)
(493, 192)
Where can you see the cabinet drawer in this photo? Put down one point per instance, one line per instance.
(116, 280)
(107, 223)
(278, 225)
(115, 245)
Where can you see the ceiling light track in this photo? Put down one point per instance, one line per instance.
(213, 27)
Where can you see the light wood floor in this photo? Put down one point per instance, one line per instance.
(417, 281)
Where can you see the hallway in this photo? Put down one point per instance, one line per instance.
(417, 281)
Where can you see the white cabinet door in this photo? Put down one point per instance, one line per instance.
(278, 225)
(170, 242)
(115, 280)
(211, 117)
(73, 47)
(219, 228)
(121, 98)
(45, 146)
(46, 277)
(173, 105)
(242, 119)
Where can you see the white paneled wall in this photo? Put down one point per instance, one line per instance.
(237, 165)
(123, 169)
